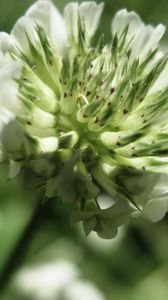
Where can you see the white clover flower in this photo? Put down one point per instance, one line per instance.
(90, 120)
(56, 280)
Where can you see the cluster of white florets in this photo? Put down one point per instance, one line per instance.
(90, 120)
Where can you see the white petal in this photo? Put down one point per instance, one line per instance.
(144, 38)
(161, 188)
(156, 205)
(161, 82)
(89, 11)
(46, 14)
(24, 28)
(48, 144)
(6, 42)
(15, 140)
(156, 209)
(5, 117)
(71, 17)
(123, 18)
(9, 71)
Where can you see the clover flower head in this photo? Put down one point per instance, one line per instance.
(89, 118)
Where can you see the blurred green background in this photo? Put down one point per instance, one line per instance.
(134, 266)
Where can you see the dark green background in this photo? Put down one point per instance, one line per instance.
(151, 11)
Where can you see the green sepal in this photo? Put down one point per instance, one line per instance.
(89, 225)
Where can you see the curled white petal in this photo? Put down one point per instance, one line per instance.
(71, 17)
(123, 18)
(144, 38)
(89, 11)
(46, 14)
(24, 28)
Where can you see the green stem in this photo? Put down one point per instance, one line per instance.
(18, 254)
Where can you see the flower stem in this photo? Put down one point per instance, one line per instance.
(20, 250)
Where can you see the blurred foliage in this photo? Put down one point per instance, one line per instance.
(133, 267)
